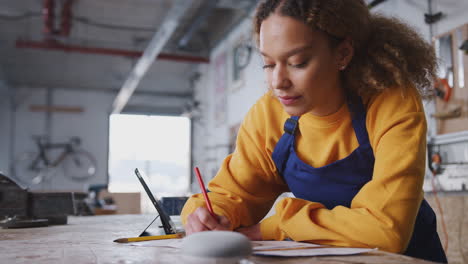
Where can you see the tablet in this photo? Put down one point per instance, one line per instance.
(167, 224)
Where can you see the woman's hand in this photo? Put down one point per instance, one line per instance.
(252, 232)
(201, 220)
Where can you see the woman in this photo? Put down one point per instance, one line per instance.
(342, 127)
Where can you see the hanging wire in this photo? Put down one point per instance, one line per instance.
(441, 212)
(434, 167)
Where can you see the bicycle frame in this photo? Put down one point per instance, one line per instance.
(67, 149)
(67, 159)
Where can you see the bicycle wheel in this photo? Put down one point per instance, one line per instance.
(79, 165)
(30, 170)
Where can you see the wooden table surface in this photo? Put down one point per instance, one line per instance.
(88, 239)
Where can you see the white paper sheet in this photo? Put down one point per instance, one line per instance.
(262, 245)
(256, 245)
(273, 248)
(319, 251)
(300, 249)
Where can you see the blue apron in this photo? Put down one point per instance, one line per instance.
(337, 183)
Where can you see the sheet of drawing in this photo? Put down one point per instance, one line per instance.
(256, 245)
(262, 245)
(271, 248)
(317, 251)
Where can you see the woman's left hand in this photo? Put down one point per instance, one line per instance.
(252, 232)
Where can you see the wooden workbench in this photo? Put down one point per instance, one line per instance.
(89, 240)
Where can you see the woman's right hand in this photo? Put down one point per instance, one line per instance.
(202, 220)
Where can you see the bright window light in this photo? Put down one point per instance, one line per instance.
(157, 145)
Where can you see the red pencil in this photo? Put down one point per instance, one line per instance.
(202, 187)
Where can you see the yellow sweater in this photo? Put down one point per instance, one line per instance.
(383, 212)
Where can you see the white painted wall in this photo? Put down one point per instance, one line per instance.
(409, 11)
(455, 14)
(412, 11)
(92, 126)
(210, 141)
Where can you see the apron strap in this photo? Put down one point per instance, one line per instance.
(281, 152)
(358, 117)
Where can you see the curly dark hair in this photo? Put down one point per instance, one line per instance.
(387, 52)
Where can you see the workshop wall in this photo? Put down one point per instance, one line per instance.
(454, 14)
(224, 97)
(91, 125)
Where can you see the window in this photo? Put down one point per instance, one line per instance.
(157, 145)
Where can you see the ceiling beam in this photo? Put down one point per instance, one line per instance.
(169, 25)
(111, 90)
(55, 45)
(206, 11)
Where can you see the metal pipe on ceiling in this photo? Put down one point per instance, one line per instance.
(184, 95)
(206, 11)
(160, 38)
(55, 45)
(246, 12)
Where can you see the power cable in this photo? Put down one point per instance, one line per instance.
(460, 233)
(441, 212)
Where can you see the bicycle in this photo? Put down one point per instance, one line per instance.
(33, 168)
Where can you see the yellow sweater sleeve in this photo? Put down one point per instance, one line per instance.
(383, 213)
(247, 184)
